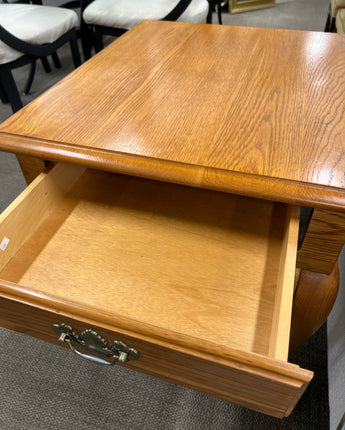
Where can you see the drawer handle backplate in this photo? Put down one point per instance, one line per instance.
(118, 352)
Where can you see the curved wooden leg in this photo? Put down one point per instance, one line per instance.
(313, 300)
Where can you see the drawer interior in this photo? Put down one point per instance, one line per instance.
(188, 261)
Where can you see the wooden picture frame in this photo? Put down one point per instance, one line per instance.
(236, 6)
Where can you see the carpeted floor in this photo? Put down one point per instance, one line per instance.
(43, 386)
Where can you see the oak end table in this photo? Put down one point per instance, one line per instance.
(165, 238)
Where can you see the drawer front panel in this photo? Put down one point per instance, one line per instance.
(269, 388)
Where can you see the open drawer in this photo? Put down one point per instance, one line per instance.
(199, 282)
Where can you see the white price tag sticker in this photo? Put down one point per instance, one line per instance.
(5, 241)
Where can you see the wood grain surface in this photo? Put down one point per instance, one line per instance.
(285, 286)
(269, 386)
(323, 242)
(251, 111)
(21, 219)
(30, 166)
(210, 265)
(313, 301)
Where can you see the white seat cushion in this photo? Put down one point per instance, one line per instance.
(126, 14)
(33, 23)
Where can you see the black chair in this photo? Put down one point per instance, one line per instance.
(45, 62)
(53, 28)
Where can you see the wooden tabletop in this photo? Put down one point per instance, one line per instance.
(259, 112)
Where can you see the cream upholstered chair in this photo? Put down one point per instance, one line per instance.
(334, 7)
(27, 33)
(340, 21)
(45, 62)
(114, 17)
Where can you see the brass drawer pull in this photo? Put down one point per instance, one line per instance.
(119, 352)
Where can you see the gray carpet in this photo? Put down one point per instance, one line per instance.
(43, 386)
(290, 14)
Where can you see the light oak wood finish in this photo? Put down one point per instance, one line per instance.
(30, 166)
(248, 379)
(164, 255)
(244, 110)
(323, 242)
(313, 301)
(21, 219)
(282, 312)
(246, 5)
(254, 112)
(206, 274)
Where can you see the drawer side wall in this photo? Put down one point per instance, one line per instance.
(25, 214)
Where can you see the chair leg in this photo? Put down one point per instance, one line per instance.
(86, 40)
(46, 65)
(98, 41)
(75, 50)
(219, 10)
(328, 22)
(56, 60)
(86, 49)
(30, 78)
(209, 14)
(10, 88)
(3, 96)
